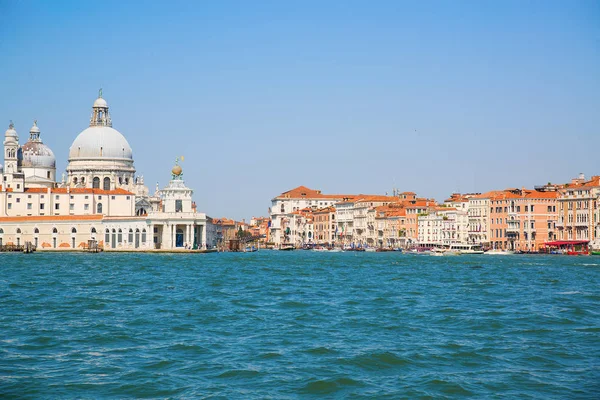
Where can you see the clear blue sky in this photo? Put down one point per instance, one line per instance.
(348, 96)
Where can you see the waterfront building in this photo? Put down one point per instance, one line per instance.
(391, 225)
(324, 223)
(294, 200)
(444, 226)
(578, 211)
(363, 218)
(532, 220)
(498, 223)
(414, 210)
(101, 199)
(479, 218)
(298, 228)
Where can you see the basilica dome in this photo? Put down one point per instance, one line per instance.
(35, 153)
(100, 156)
(100, 142)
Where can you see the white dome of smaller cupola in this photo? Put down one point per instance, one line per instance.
(35, 153)
(34, 129)
(100, 103)
(11, 133)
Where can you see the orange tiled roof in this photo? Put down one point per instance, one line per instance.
(78, 191)
(302, 192)
(542, 195)
(49, 218)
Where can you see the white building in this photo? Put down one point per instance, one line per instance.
(444, 227)
(479, 218)
(284, 205)
(101, 200)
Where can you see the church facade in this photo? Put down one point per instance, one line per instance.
(100, 198)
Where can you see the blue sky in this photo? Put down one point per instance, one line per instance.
(346, 97)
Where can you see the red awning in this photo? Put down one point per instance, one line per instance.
(566, 242)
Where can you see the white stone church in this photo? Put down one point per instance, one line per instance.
(100, 198)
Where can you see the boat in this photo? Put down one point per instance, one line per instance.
(250, 249)
(287, 247)
(568, 247)
(466, 248)
(595, 252)
(320, 249)
(383, 249)
(498, 252)
(441, 251)
(370, 249)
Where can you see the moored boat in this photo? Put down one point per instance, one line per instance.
(498, 252)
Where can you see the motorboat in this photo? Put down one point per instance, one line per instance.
(466, 248)
(499, 252)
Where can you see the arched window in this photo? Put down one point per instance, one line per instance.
(54, 230)
(99, 208)
(106, 237)
(18, 230)
(1, 231)
(36, 230)
(130, 238)
(73, 230)
(143, 236)
(93, 230)
(120, 236)
(75, 181)
(106, 185)
(120, 180)
(96, 183)
(82, 180)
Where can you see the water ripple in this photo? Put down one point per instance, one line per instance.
(299, 324)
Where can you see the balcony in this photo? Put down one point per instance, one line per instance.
(513, 227)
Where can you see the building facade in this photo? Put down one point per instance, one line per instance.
(101, 199)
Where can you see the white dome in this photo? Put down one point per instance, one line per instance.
(10, 132)
(34, 128)
(100, 102)
(37, 155)
(100, 142)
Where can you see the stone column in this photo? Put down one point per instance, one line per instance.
(203, 230)
(173, 237)
(150, 236)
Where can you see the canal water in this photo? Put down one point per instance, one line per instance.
(299, 324)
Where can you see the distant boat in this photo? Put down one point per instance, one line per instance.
(250, 249)
(498, 252)
(466, 248)
(287, 247)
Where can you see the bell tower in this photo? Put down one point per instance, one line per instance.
(11, 150)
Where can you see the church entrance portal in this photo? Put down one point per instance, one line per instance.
(179, 238)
